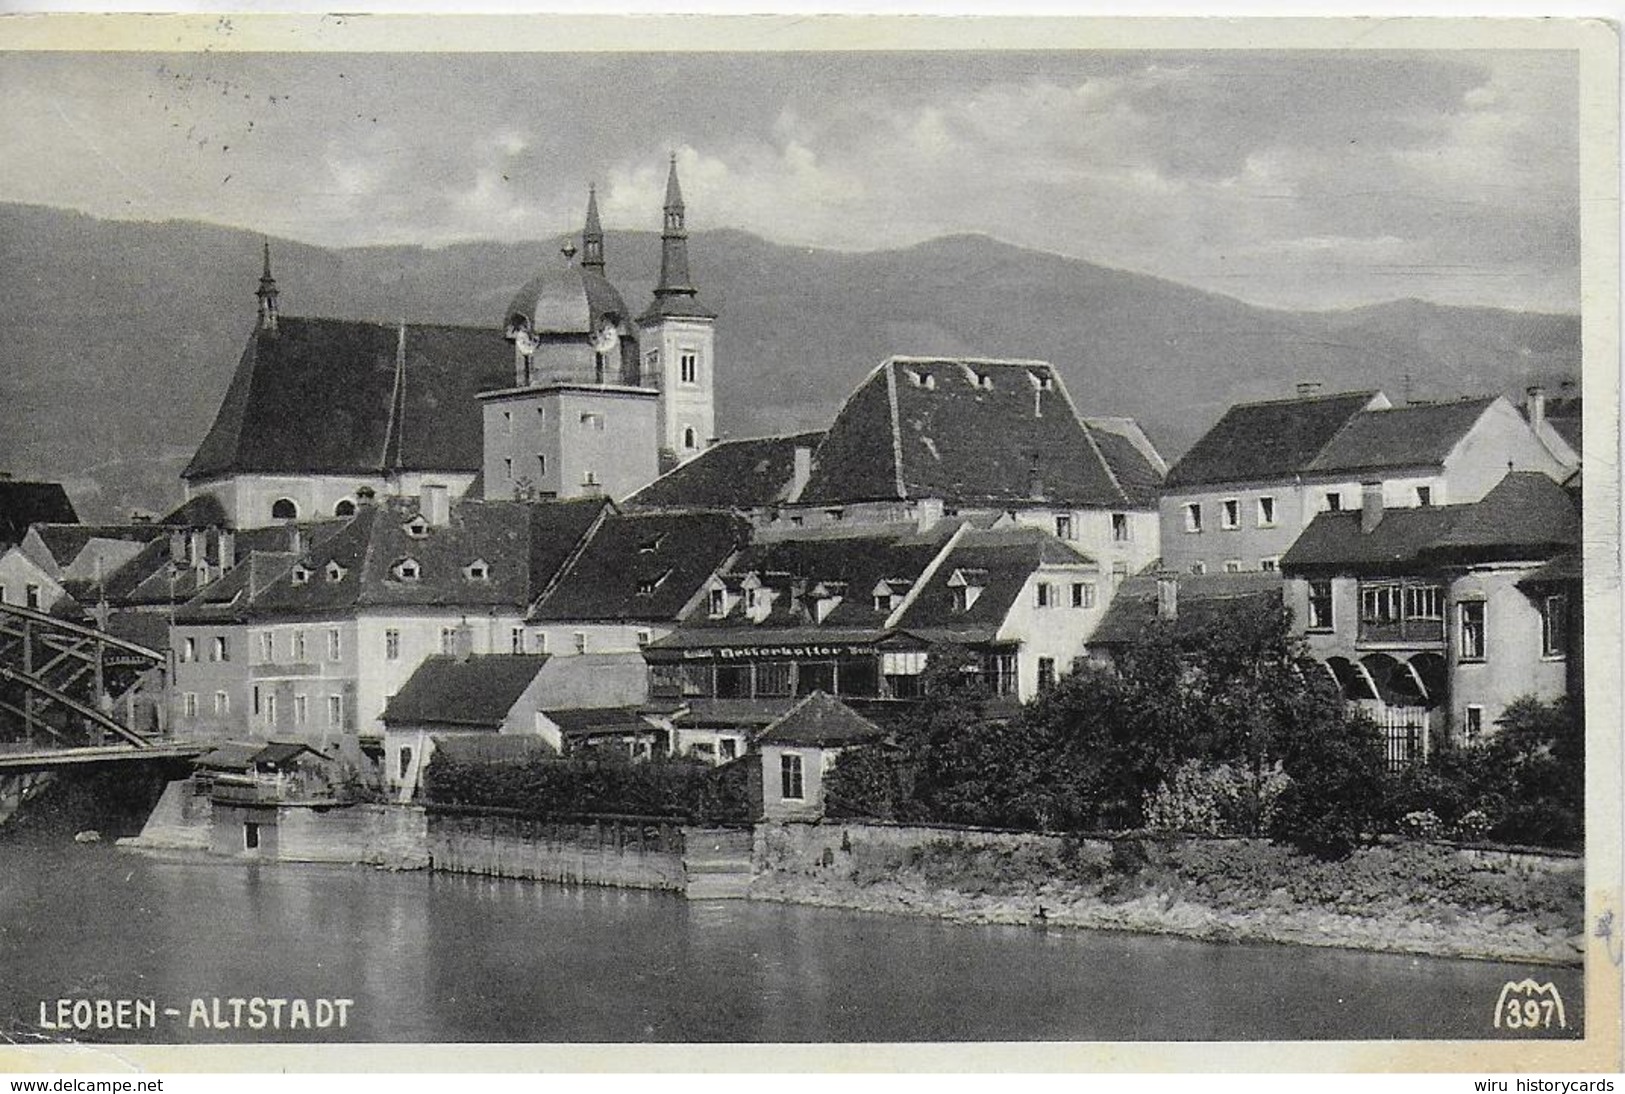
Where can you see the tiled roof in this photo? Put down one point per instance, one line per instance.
(1201, 599)
(793, 567)
(741, 474)
(1525, 516)
(230, 599)
(592, 721)
(489, 748)
(337, 396)
(969, 431)
(488, 554)
(1266, 440)
(146, 578)
(477, 692)
(998, 562)
(1417, 435)
(230, 756)
(202, 511)
(66, 541)
(642, 566)
(25, 503)
(1138, 468)
(820, 720)
(1569, 429)
(1566, 567)
(748, 713)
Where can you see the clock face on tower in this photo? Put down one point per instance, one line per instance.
(605, 338)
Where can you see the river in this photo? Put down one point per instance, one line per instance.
(439, 957)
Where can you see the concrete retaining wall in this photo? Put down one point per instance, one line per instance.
(631, 856)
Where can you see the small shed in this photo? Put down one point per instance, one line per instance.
(798, 748)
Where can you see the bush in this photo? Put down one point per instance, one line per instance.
(867, 782)
(1216, 799)
(1337, 799)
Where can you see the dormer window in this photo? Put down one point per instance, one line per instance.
(407, 569)
(883, 601)
(651, 545)
(301, 574)
(978, 379)
(417, 527)
(1041, 381)
(478, 570)
(717, 603)
(965, 587)
(335, 572)
(921, 378)
(648, 585)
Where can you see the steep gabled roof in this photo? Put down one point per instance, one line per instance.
(66, 541)
(25, 503)
(967, 430)
(738, 474)
(1136, 465)
(820, 721)
(348, 396)
(1416, 435)
(1201, 600)
(1526, 516)
(1267, 440)
(642, 566)
(149, 578)
(999, 563)
(475, 692)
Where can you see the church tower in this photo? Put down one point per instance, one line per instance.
(678, 339)
(579, 421)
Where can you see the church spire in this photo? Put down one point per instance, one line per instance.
(267, 293)
(674, 279)
(592, 236)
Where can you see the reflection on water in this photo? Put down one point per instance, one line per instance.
(439, 957)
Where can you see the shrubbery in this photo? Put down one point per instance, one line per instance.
(597, 783)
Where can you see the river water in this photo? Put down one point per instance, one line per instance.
(439, 957)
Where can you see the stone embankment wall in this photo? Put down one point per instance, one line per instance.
(599, 852)
(1407, 897)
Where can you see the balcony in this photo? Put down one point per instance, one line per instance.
(1421, 632)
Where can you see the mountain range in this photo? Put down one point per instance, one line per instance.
(118, 338)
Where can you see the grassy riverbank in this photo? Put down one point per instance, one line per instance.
(1408, 898)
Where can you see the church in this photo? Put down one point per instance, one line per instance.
(574, 395)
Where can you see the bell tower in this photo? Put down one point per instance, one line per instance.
(678, 340)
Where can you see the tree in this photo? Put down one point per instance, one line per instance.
(1542, 746)
(1338, 796)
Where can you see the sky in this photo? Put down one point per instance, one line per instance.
(1291, 179)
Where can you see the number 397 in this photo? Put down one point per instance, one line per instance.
(1527, 1006)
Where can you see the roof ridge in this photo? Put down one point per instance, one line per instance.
(1367, 393)
(385, 323)
(896, 429)
(956, 359)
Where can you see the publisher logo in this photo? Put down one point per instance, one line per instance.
(1525, 1005)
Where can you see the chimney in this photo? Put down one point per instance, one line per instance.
(1535, 407)
(464, 643)
(436, 507)
(801, 472)
(1307, 388)
(226, 544)
(177, 545)
(1167, 597)
(296, 543)
(197, 552)
(1370, 506)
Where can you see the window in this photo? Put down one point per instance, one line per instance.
(301, 709)
(516, 640)
(507, 468)
(729, 748)
(267, 646)
(222, 704)
(589, 479)
(251, 836)
(1232, 565)
(417, 527)
(270, 708)
(1424, 496)
(1320, 605)
(407, 569)
(190, 701)
(256, 700)
(1083, 594)
(299, 646)
(1379, 603)
(1046, 673)
(790, 777)
(1554, 626)
(1472, 630)
(1230, 513)
(478, 570)
(541, 466)
(773, 678)
(1119, 573)
(448, 639)
(1120, 528)
(335, 572)
(1333, 502)
(1198, 567)
(688, 366)
(1063, 526)
(345, 508)
(1266, 512)
(592, 420)
(284, 509)
(538, 641)
(645, 636)
(1269, 565)
(301, 575)
(1472, 726)
(31, 596)
(507, 422)
(222, 648)
(883, 602)
(188, 650)
(335, 711)
(392, 645)
(1424, 602)
(1193, 517)
(689, 441)
(1043, 595)
(334, 644)
(581, 641)
(718, 603)
(404, 762)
